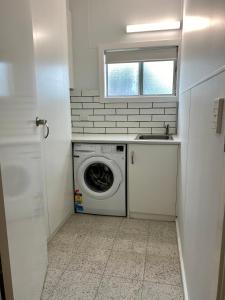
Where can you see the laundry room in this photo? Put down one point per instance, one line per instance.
(112, 139)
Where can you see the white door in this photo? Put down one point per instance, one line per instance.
(20, 151)
(51, 59)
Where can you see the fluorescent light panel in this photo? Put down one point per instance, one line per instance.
(168, 25)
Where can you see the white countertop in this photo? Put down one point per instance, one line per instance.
(118, 138)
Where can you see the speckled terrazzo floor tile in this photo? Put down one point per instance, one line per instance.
(62, 241)
(106, 224)
(79, 239)
(79, 223)
(81, 218)
(51, 280)
(154, 291)
(119, 288)
(130, 242)
(90, 260)
(58, 259)
(126, 264)
(134, 226)
(162, 248)
(99, 239)
(163, 231)
(75, 285)
(162, 269)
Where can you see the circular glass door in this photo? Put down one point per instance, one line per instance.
(98, 177)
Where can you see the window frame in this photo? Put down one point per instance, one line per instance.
(140, 98)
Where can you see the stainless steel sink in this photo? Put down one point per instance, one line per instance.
(153, 137)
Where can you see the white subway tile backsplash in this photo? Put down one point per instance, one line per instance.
(96, 118)
(116, 105)
(173, 130)
(164, 104)
(90, 115)
(164, 118)
(140, 105)
(104, 124)
(82, 111)
(127, 111)
(152, 111)
(75, 118)
(75, 92)
(170, 111)
(162, 130)
(82, 124)
(76, 105)
(116, 130)
(171, 124)
(152, 124)
(77, 130)
(140, 118)
(127, 124)
(93, 105)
(97, 99)
(81, 99)
(94, 130)
(139, 130)
(109, 111)
(116, 118)
(158, 131)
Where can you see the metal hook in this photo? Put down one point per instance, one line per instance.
(43, 122)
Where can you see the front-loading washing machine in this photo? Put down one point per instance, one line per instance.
(100, 178)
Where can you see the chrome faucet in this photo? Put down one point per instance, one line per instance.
(167, 129)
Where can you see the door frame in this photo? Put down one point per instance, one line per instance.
(221, 279)
(4, 249)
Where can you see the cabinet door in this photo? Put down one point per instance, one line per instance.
(152, 177)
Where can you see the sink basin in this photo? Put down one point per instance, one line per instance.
(153, 137)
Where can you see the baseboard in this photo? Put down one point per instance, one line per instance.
(155, 217)
(60, 226)
(183, 274)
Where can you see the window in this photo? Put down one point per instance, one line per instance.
(123, 79)
(140, 72)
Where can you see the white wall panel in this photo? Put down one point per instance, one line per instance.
(183, 133)
(201, 201)
(203, 40)
(204, 191)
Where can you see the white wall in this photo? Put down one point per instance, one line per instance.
(201, 189)
(203, 40)
(97, 22)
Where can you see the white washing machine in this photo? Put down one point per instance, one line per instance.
(100, 179)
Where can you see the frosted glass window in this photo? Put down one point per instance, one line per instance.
(158, 77)
(123, 79)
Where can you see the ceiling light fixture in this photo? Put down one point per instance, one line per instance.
(167, 25)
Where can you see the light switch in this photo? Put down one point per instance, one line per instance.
(218, 115)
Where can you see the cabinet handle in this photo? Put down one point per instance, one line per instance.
(132, 157)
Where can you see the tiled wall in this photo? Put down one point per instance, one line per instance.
(89, 115)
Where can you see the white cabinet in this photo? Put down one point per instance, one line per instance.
(152, 180)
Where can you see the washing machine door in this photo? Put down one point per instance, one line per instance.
(99, 177)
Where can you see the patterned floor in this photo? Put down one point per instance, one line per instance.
(97, 257)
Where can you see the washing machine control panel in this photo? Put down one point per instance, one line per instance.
(98, 148)
(120, 148)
